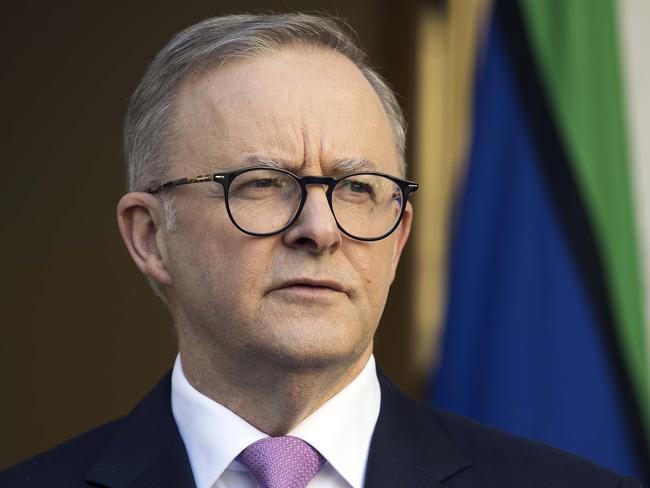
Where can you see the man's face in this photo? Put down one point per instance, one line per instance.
(309, 297)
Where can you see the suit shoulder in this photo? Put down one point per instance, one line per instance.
(482, 455)
(63, 465)
(517, 460)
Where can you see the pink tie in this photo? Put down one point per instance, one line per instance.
(281, 462)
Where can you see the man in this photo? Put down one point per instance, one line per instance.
(269, 210)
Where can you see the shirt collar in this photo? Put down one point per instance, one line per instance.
(341, 429)
(213, 435)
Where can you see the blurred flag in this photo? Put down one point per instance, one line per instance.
(546, 333)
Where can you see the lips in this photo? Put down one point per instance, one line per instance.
(311, 283)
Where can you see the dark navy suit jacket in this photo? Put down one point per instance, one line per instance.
(412, 446)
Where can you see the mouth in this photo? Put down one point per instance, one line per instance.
(310, 287)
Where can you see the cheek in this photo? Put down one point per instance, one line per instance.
(373, 264)
(210, 259)
(222, 284)
(232, 263)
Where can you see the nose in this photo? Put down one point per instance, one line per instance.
(315, 230)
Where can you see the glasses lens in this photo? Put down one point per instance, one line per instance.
(367, 206)
(263, 201)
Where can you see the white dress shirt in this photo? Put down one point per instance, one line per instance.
(340, 430)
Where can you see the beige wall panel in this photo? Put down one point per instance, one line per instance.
(447, 42)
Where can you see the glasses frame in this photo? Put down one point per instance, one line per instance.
(225, 179)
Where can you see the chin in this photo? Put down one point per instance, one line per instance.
(304, 351)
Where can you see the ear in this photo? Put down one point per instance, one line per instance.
(139, 217)
(403, 232)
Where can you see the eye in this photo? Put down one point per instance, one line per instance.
(257, 186)
(265, 183)
(356, 190)
(359, 187)
(356, 186)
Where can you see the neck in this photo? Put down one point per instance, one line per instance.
(272, 397)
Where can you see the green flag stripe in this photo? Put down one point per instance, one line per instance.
(634, 19)
(577, 48)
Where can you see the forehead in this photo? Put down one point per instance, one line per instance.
(306, 107)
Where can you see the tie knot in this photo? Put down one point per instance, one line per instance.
(281, 462)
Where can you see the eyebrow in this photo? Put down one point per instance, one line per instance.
(342, 166)
(257, 160)
(338, 166)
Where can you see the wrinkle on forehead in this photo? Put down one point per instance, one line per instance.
(299, 106)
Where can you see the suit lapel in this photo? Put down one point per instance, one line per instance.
(408, 447)
(147, 450)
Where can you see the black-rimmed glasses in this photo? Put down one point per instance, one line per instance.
(266, 201)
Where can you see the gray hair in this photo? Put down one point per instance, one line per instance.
(148, 128)
(149, 125)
